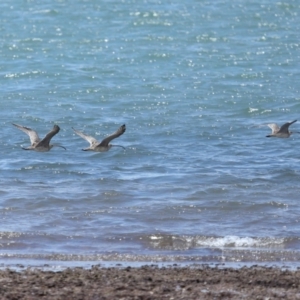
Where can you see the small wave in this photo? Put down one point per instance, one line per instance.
(45, 11)
(238, 242)
(172, 242)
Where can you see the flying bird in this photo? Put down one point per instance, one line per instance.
(282, 132)
(36, 143)
(104, 145)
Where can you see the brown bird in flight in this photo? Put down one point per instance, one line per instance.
(36, 143)
(104, 145)
(282, 132)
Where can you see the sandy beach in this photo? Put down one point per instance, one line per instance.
(151, 282)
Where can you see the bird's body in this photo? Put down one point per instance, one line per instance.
(104, 145)
(282, 132)
(36, 143)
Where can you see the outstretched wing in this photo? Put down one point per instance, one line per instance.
(46, 140)
(275, 128)
(116, 134)
(34, 138)
(88, 138)
(285, 127)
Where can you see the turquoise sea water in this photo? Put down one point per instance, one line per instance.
(192, 81)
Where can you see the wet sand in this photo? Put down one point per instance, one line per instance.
(151, 282)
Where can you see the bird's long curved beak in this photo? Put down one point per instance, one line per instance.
(57, 145)
(118, 146)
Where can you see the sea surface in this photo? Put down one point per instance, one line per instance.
(195, 82)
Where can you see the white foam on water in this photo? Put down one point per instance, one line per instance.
(240, 242)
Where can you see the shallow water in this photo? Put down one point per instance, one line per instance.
(198, 181)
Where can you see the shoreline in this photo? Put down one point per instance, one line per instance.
(151, 282)
(20, 264)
